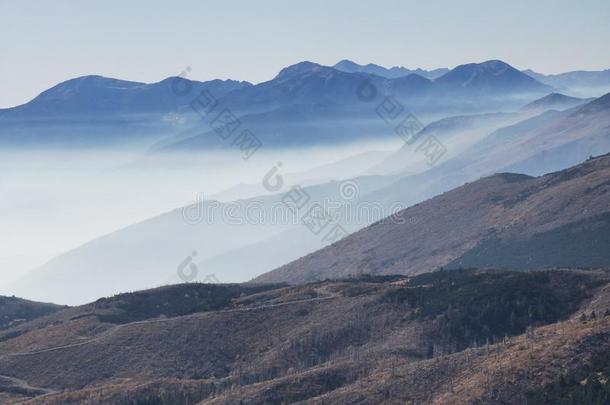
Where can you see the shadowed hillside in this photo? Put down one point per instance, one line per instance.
(492, 222)
(16, 310)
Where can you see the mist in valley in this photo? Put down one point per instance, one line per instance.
(56, 200)
(107, 219)
(313, 202)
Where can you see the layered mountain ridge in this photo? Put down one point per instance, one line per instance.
(474, 224)
(102, 103)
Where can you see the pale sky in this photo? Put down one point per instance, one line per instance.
(45, 42)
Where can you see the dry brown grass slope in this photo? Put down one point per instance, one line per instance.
(366, 340)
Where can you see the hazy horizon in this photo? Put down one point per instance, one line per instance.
(142, 43)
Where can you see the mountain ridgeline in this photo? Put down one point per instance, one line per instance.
(390, 73)
(303, 104)
(14, 311)
(506, 220)
(97, 95)
(304, 82)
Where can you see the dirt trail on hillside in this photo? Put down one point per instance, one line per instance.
(323, 291)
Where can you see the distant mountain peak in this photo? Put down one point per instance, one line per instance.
(90, 81)
(84, 84)
(346, 65)
(491, 75)
(553, 101)
(393, 72)
(299, 69)
(495, 65)
(556, 96)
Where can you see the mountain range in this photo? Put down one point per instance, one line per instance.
(312, 104)
(93, 111)
(550, 141)
(391, 73)
(305, 103)
(579, 83)
(480, 278)
(97, 95)
(303, 82)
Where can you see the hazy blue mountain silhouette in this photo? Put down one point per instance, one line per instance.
(306, 94)
(553, 101)
(302, 83)
(391, 73)
(308, 103)
(489, 77)
(579, 82)
(102, 95)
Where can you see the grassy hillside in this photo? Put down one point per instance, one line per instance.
(171, 301)
(469, 307)
(16, 310)
(387, 339)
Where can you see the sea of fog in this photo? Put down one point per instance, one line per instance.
(55, 200)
